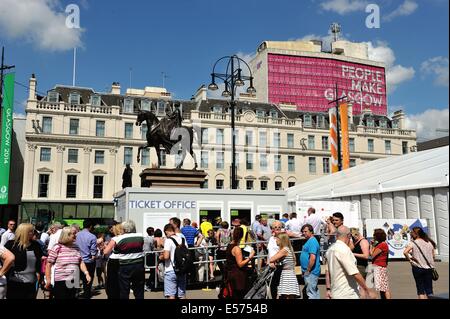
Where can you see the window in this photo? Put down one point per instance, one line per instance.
(53, 97)
(320, 121)
(395, 124)
(248, 138)
(263, 185)
(237, 161)
(204, 184)
(128, 156)
(311, 142)
(263, 139)
(73, 126)
(145, 157)
(263, 162)
(274, 114)
(71, 190)
(217, 109)
(73, 155)
(220, 160)
(290, 140)
(405, 147)
(219, 136)
(219, 184)
(204, 136)
(278, 186)
(145, 105)
(260, 113)
(352, 162)
(383, 123)
(236, 136)
(129, 130)
(249, 161)
(99, 157)
(312, 165)
(291, 163)
(128, 105)
(163, 158)
(46, 154)
(144, 130)
(47, 125)
(249, 185)
(43, 185)
(387, 147)
(161, 108)
(326, 165)
(370, 122)
(370, 145)
(98, 186)
(277, 163)
(307, 120)
(204, 159)
(74, 98)
(96, 100)
(351, 144)
(325, 143)
(276, 140)
(291, 184)
(100, 128)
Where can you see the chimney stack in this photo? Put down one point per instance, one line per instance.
(115, 88)
(32, 90)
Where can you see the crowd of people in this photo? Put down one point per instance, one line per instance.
(58, 259)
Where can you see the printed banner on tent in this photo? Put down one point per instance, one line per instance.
(5, 149)
(397, 231)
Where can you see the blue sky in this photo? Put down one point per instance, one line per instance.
(183, 38)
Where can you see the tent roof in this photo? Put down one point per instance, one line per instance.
(427, 169)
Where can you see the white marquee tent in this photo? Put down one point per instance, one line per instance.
(402, 187)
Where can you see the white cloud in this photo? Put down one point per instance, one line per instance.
(405, 9)
(40, 22)
(438, 66)
(19, 115)
(395, 74)
(344, 6)
(428, 122)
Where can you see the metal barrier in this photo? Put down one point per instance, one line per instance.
(260, 256)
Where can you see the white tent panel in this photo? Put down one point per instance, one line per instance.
(375, 205)
(365, 207)
(412, 204)
(442, 222)
(387, 206)
(399, 205)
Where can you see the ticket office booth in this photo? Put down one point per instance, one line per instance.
(210, 214)
(241, 213)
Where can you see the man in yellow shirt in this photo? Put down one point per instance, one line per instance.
(205, 226)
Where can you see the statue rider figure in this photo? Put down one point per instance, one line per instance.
(175, 115)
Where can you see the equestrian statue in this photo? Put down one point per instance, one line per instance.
(167, 132)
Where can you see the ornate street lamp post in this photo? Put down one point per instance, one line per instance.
(232, 78)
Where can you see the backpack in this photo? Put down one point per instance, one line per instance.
(182, 260)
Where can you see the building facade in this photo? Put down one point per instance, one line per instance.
(302, 74)
(78, 142)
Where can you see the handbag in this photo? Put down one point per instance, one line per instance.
(226, 291)
(434, 273)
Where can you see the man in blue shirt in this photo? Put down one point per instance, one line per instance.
(191, 234)
(310, 262)
(87, 242)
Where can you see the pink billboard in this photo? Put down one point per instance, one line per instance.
(310, 83)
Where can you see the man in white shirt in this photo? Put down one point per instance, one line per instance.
(9, 234)
(55, 230)
(174, 285)
(342, 276)
(315, 221)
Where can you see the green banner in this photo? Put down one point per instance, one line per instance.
(5, 150)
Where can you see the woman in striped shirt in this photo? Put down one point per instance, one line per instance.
(67, 260)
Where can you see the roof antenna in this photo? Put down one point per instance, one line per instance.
(336, 30)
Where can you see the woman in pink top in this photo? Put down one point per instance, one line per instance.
(67, 260)
(379, 251)
(420, 253)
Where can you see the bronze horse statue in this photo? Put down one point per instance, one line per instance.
(167, 133)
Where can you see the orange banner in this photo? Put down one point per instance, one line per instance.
(334, 141)
(343, 110)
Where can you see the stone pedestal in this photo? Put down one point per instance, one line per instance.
(172, 178)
